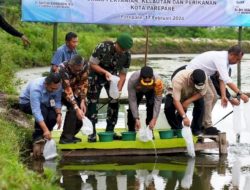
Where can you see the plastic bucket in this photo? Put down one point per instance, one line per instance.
(106, 136)
(166, 173)
(166, 134)
(129, 136)
(177, 133)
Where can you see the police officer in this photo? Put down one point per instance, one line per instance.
(109, 58)
(144, 83)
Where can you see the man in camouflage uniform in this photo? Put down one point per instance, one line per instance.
(74, 75)
(109, 58)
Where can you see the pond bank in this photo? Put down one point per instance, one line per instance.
(185, 45)
(15, 136)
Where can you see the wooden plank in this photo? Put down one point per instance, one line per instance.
(223, 143)
(127, 152)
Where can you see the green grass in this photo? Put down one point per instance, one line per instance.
(13, 174)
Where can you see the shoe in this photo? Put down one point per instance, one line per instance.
(197, 133)
(117, 137)
(211, 131)
(92, 138)
(67, 141)
(76, 139)
(200, 140)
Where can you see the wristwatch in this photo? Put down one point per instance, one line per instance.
(75, 107)
(184, 116)
(239, 93)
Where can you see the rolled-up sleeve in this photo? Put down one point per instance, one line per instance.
(95, 58)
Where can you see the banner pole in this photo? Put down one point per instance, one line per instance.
(55, 26)
(239, 65)
(239, 73)
(146, 52)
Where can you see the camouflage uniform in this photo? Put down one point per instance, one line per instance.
(75, 89)
(106, 57)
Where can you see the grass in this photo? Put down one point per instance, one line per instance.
(13, 174)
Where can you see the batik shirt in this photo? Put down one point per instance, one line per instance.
(74, 85)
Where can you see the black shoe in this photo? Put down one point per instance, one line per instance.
(67, 141)
(76, 139)
(200, 140)
(92, 138)
(197, 133)
(117, 137)
(211, 131)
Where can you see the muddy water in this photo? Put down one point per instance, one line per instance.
(206, 171)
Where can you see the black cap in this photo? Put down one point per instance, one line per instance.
(199, 78)
(146, 72)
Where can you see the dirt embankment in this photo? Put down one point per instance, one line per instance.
(10, 112)
(178, 45)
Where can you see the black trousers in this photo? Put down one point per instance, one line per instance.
(175, 120)
(215, 79)
(72, 124)
(149, 106)
(49, 116)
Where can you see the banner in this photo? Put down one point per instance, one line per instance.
(140, 12)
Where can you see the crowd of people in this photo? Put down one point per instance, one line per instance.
(76, 82)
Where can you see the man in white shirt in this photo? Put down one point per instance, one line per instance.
(217, 61)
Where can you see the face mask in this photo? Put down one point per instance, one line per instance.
(149, 83)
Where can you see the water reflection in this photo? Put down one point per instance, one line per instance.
(204, 172)
(174, 172)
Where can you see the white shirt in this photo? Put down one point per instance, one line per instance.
(212, 61)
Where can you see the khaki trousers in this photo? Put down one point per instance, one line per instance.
(210, 99)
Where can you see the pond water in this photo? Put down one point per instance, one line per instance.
(206, 171)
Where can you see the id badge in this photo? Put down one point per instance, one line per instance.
(52, 103)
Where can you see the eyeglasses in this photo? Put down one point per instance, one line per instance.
(147, 83)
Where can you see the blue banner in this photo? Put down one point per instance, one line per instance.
(140, 12)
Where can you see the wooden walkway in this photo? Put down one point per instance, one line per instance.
(218, 142)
